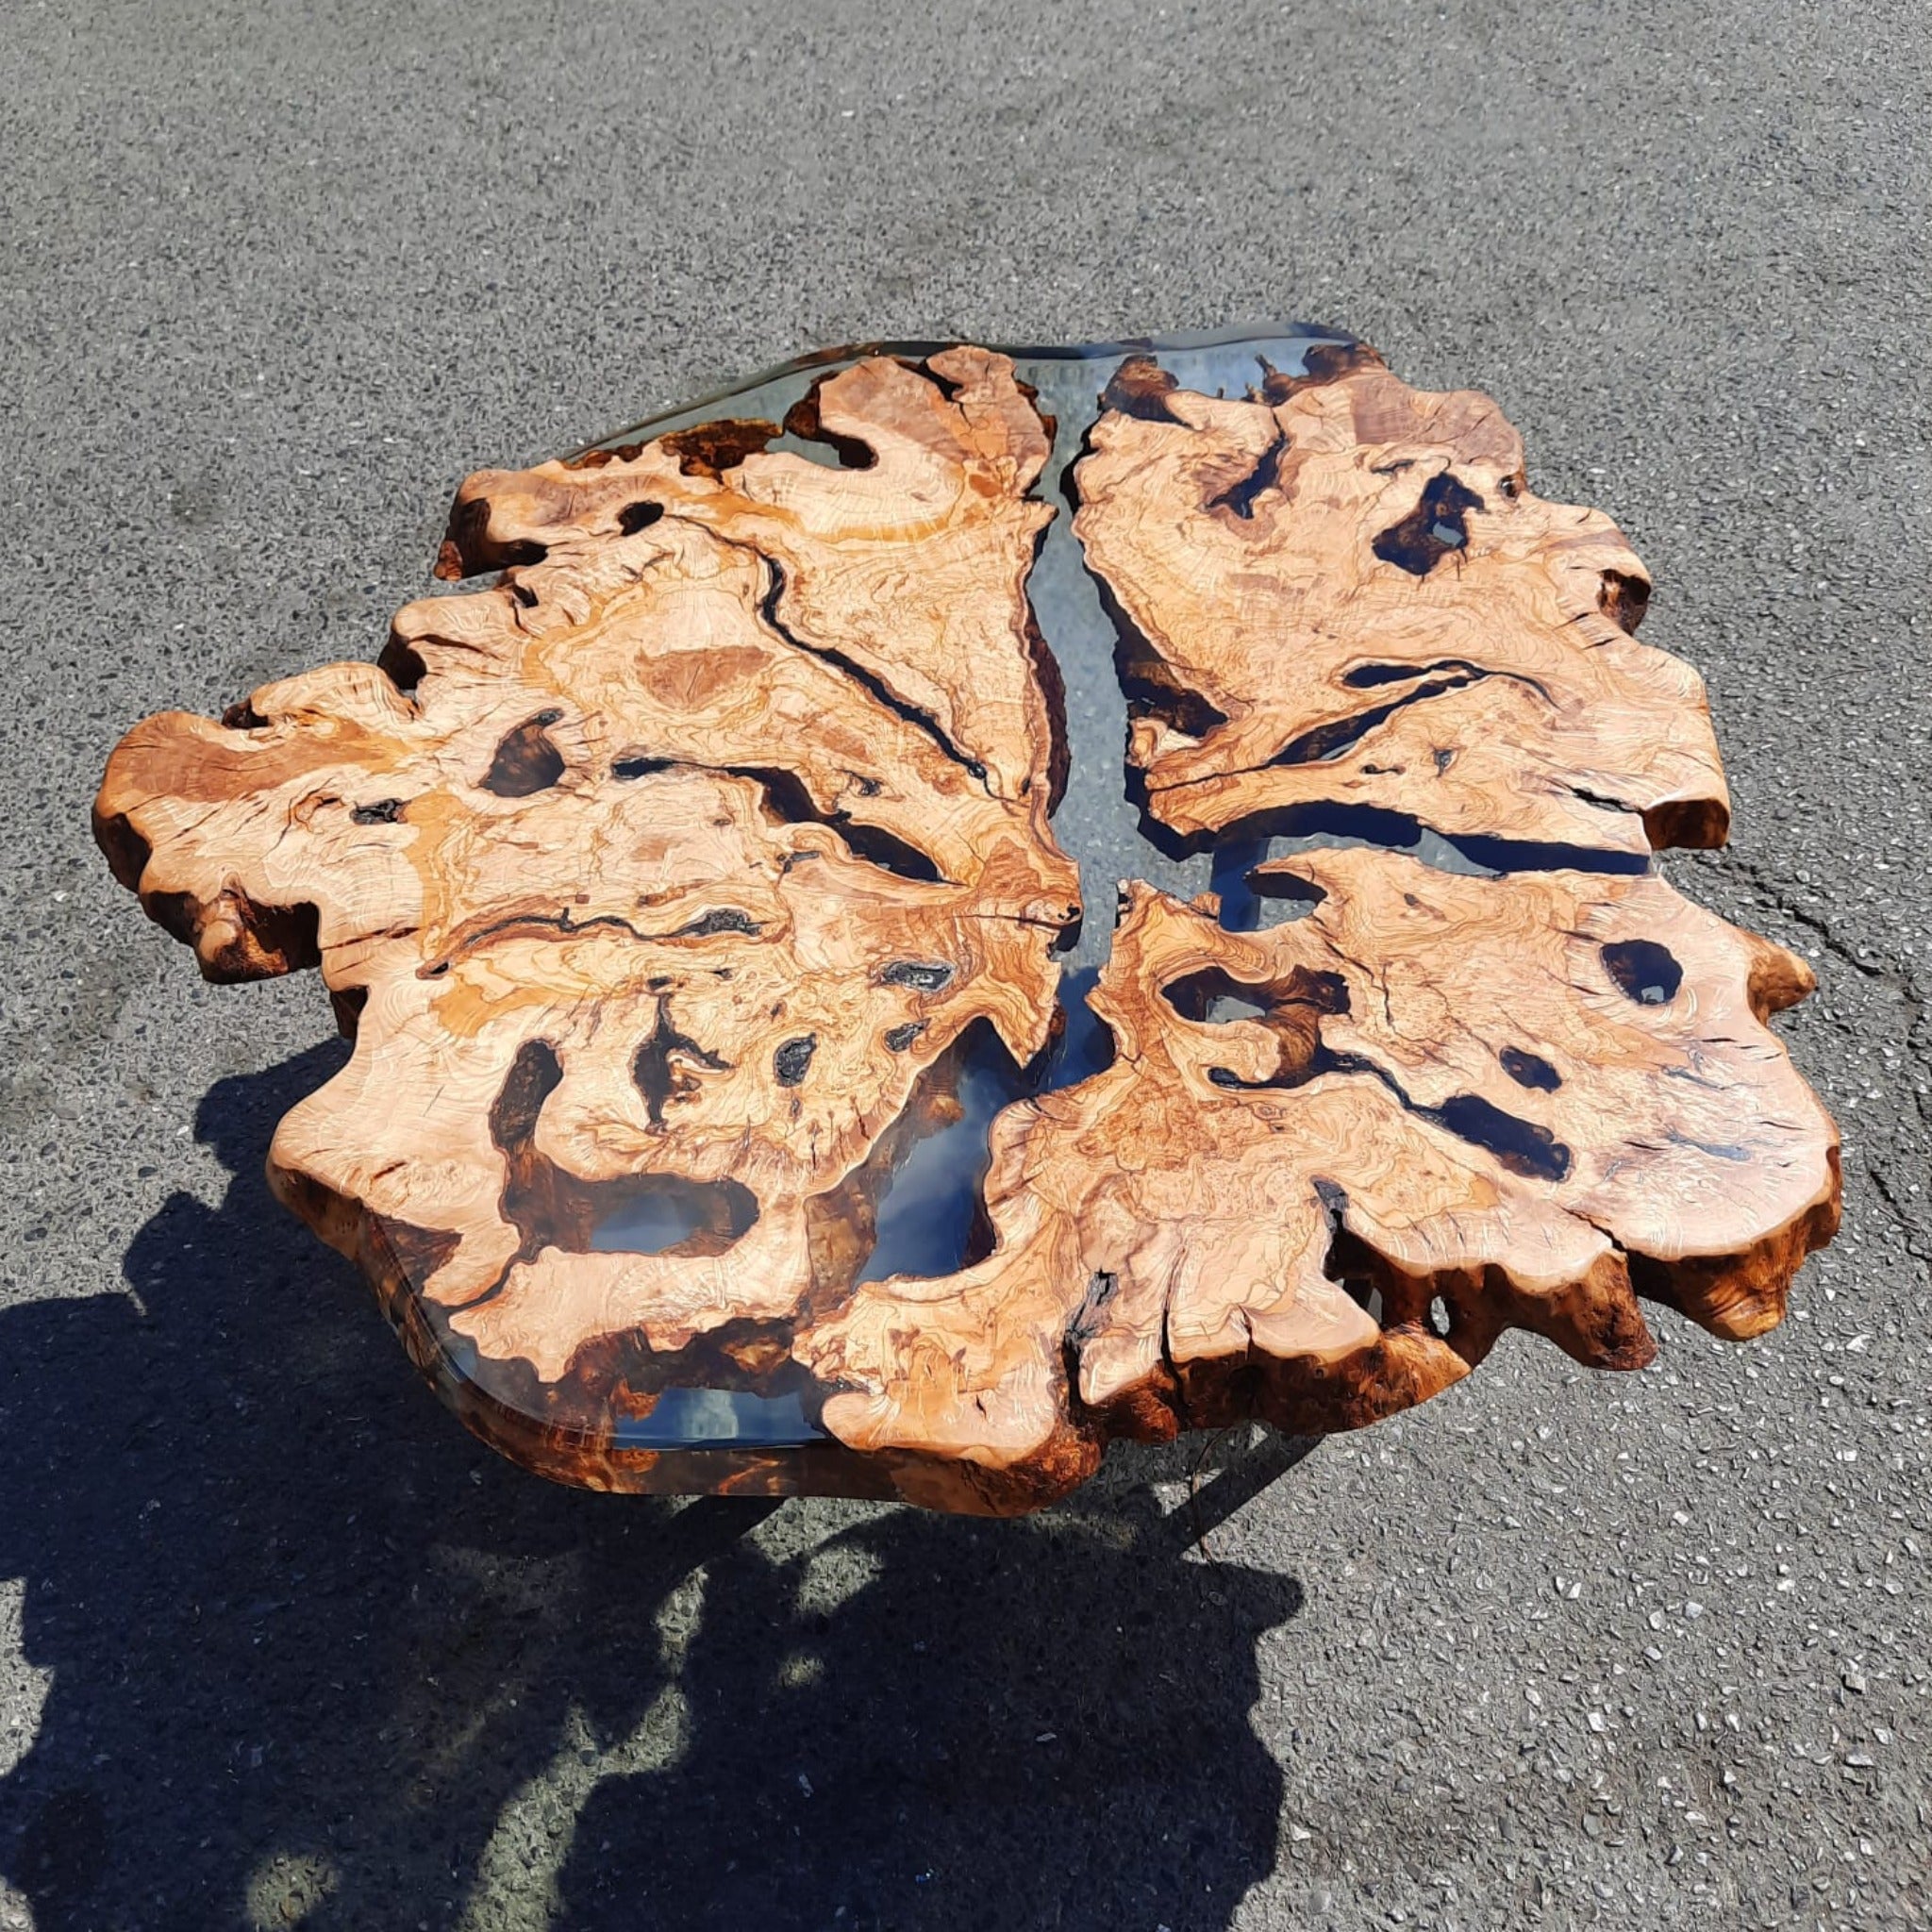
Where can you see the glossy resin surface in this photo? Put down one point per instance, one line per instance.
(948, 904)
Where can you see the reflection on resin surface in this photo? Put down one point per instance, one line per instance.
(719, 1418)
(930, 1204)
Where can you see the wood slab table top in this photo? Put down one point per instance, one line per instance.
(951, 906)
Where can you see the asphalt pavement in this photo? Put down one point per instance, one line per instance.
(280, 1645)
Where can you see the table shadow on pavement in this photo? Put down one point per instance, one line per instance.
(317, 1657)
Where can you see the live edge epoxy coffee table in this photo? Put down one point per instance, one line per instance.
(741, 1101)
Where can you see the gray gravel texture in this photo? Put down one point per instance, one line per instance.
(281, 1645)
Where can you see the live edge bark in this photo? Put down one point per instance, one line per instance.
(672, 876)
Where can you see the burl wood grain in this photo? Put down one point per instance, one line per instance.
(644, 876)
(1486, 1103)
(1340, 589)
(666, 882)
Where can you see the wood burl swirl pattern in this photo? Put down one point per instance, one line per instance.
(668, 882)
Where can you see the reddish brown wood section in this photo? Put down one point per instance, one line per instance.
(664, 883)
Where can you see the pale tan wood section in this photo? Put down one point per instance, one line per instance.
(912, 566)
(1529, 1098)
(1341, 591)
(641, 883)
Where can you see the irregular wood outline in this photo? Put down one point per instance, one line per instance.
(1527, 1099)
(1341, 591)
(651, 884)
(717, 826)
